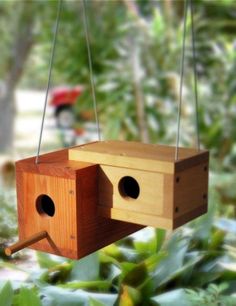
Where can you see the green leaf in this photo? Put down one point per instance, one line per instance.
(55, 296)
(160, 238)
(113, 251)
(129, 296)
(227, 225)
(86, 269)
(28, 297)
(216, 240)
(104, 258)
(153, 261)
(211, 296)
(136, 275)
(158, 23)
(59, 273)
(99, 285)
(11, 266)
(172, 298)
(174, 261)
(202, 226)
(145, 241)
(6, 294)
(143, 247)
(93, 302)
(46, 261)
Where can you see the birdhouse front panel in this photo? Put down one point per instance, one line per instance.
(144, 184)
(136, 196)
(60, 197)
(131, 190)
(47, 201)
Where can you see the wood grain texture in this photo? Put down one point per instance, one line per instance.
(52, 164)
(62, 226)
(139, 156)
(75, 229)
(140, 218)
(91, 210)
(169, 190)
(151, 195)
(95, 231)
(190, 189)
(189, 216)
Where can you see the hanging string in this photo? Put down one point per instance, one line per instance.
(181, 78)
(49, 77)
(86, 29)
(195, 77)
(181, 81)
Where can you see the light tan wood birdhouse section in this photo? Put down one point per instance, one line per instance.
(78, 200)
(143, 184)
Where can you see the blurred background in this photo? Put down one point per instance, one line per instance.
(136, 52)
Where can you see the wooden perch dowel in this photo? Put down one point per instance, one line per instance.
(25, 243)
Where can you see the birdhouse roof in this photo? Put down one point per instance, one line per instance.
(136, 155)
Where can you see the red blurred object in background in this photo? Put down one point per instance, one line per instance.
(65, 95)
(62, 98)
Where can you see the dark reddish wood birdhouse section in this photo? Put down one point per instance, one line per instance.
(60, 197)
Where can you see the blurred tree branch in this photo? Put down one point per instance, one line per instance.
(138, 94)
(132, 7)
(137, 72)
(22, 42)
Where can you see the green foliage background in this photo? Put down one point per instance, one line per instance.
(197, 263)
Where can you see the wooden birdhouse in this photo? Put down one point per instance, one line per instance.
(143, 184)
(59, 197)
(78, 200)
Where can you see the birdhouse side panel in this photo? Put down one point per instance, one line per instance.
(47, 203)
(191, 193)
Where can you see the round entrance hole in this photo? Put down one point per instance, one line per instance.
(45, 205)
(129, 187)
